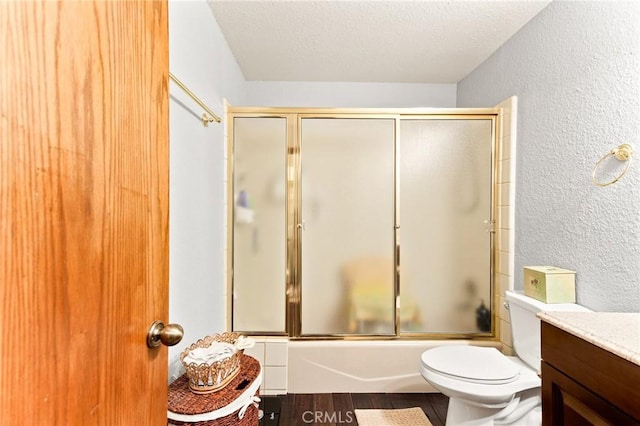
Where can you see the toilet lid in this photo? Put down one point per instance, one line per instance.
(471, 363)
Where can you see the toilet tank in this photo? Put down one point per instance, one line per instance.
(525, 325)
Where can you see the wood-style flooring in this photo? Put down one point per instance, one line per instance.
(337, 409)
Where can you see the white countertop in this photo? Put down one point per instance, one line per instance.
(618, 333)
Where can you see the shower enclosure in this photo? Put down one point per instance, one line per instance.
(353, 223)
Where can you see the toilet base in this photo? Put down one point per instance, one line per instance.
(524, 410)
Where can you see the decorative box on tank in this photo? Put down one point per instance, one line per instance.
(550, 284)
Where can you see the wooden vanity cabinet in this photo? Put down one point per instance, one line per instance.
(583, 384)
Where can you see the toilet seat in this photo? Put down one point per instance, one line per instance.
(487, 393)
(472, 364)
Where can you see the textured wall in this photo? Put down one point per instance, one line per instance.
(576, 71)
(196, 227)
(355, 95)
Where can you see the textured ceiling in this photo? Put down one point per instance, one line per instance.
(367, 41)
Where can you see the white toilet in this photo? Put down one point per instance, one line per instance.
(486, 387)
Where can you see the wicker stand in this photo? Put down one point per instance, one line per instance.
(189, 409)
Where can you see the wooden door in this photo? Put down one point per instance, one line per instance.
(83, 211)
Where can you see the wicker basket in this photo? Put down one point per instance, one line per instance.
(204, 378)
(186, 408)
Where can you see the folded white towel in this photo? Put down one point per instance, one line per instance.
(244, 342)
(217, 351)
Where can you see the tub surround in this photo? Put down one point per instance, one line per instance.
(618, 333)
(272, 352)
(357, 366)
(505, 218)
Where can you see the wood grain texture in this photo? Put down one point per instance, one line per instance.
(338, 408)
(84, 211)
(578, 376)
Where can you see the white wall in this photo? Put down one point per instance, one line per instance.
(576, 71)
(350, 95)
(200, 57)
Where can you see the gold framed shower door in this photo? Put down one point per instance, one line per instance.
(292, 326)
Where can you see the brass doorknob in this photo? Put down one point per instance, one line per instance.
(168, 335)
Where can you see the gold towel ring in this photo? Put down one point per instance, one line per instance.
(622, 153)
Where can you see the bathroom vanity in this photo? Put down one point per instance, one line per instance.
(590, 368)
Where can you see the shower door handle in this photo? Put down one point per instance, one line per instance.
(489, 225)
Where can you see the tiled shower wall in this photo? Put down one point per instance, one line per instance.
(505, 233)
(272, 352)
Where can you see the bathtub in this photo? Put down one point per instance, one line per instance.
(332, 366)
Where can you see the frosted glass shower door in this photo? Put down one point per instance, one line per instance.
(347, 229)
(259, 219)
(445, 203)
